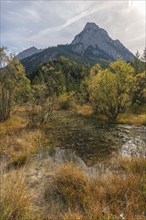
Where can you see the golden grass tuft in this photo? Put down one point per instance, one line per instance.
(13, 123)
(72, 216)
(85, 110)
(123, 191)
(14, 201)
(71, 186)
(106, 197)
(18, 147)
(135, 166)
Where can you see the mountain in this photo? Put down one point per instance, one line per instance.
(96, 42)
(31, 63)
(92, 45)
(28, 52)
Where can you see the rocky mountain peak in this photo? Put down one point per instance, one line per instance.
(91, 25)
(92, 45)
(28, 52)
(97, 42)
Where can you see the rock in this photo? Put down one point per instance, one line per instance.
(96, 41)
(91, 45)
(134, 148)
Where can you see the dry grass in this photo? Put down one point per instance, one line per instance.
(13, 124)
(109, 196)
(68, 193)
(125, 118)
(121, 194)
(123, 191)
(15, 201)
(71, 186)
(17, 141)
(17, 147)
(134, 119)
(17, 121)
(71, 195)
(72, 216)
(135, 166)
(85, 110)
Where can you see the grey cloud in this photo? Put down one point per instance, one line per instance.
(48, 23)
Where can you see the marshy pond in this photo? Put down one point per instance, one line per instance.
(72, 135)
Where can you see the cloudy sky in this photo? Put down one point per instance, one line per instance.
(48, 23)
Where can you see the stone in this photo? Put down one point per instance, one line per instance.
(98, 40)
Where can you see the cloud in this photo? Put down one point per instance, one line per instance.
(68, 22)
(47, 23)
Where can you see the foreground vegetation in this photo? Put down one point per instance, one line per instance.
(64, 191)
(67, 105)
(71, 194)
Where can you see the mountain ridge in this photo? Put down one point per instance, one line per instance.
(98, 38)
(92, 45)
(28, 52)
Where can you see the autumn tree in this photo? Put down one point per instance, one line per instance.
(144, 55)
(83, 94)
(69, 73)
(111, 89)
(46, 86)
(14, 84)
(139, 92)
(137, 63)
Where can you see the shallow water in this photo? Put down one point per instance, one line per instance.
(134, 145)
(93, 142)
